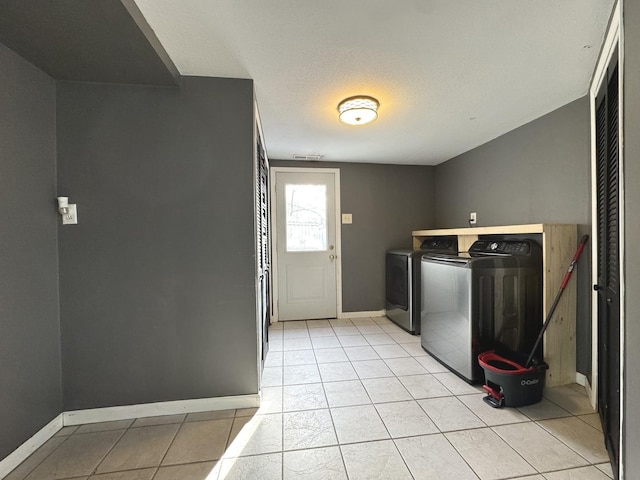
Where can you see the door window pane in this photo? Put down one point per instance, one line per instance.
(306, 209)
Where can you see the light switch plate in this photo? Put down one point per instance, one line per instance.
(347, 218)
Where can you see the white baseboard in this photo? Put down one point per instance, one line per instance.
(125, 412)
(21, 453)
(581, 379)
(376, 313)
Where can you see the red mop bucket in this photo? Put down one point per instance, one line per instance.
(510, 384)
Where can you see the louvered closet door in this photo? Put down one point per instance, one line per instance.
(608, 262)
(263, 243)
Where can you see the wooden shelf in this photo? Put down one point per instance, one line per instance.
(499, 230)
(559, 242)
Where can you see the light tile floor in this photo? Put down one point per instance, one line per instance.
(342, 399)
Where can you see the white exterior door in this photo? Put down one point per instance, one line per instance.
(305, 211)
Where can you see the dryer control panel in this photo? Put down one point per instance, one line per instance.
(440, 243)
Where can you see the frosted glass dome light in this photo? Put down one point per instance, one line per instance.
(358, 110)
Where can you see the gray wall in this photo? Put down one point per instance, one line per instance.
(388, 202)
(157, 281)
(631, 432)
(538, 173)
(30, 392)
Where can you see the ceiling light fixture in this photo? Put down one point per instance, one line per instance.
(358, 110)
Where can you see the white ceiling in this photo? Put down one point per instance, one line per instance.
(449, 74)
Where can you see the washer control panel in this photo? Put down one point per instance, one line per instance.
(505, 247)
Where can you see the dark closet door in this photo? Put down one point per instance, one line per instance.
(263, 246)
(608, 287)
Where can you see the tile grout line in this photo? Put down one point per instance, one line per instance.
(95, 469)
(170, 445)
(393, 440)
(563, 442)
(282, 416)
(376, 410)
(24, 477)
(333, 423)
(518, 453)
(443, 433)
(328, 410)
(471, 466)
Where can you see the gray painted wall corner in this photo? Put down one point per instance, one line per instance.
(30, 372)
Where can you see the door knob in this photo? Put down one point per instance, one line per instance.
(332, 257)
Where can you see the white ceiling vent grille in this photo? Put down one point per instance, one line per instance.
(297, 156)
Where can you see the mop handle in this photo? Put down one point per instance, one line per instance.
(563, 285)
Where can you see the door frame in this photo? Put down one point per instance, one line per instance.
(614, 38)
(275, 312)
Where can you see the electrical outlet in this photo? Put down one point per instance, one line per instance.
(347, 218)
(472, 218)
(71, 217)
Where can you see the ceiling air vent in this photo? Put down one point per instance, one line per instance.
(297, 156)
